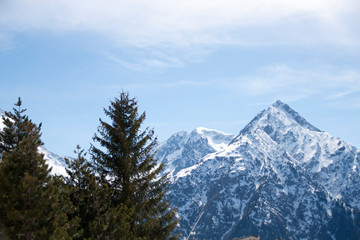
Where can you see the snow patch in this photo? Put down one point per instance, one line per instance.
(56, 162)
(216, 139)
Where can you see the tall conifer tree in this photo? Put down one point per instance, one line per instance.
(15, 128)
(126, 160)
(92, 200)
(84, 191)
(29, 202)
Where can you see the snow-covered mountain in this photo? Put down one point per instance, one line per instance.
(331, 162)
(55, 161)
(280, 177)
(184, 149)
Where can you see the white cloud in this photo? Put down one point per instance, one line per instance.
(162, 85)
(126, 64)
(277, 81)
(175, 23)
(153, 60)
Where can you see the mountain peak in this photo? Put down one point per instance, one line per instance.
(283, 106)
(272, 178)
(295, 115)
(278, 113)
(278, 103)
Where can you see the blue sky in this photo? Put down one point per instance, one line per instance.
(194, 63)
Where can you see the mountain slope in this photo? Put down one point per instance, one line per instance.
(332, 163)
(271, 180)
(281, 177)
(184, 149)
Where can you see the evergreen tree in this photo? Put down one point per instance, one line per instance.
(66, 221)
(92, 199)
(29, 201)
(125, 161)
(15, 128)
(114, 223)
(83, 190)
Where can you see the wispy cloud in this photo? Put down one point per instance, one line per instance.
(150, 61)
(291, 84)
(276, 81)
(144, 23)
(354, 103)
(163, 85)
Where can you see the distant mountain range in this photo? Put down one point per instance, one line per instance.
(280, 178)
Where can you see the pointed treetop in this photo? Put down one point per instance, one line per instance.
(17, 126)
(18, 104)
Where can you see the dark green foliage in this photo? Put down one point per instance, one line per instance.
(65, 208)
(125, 161)
(84, 190)
(30, 202)
(120, 195)
(15, 129)
(113, 224)
(92, 199)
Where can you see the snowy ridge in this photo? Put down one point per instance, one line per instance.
(184, 149)
(216, 139)
(331, 161)
(280, 177)
(56, 162)
(295, 115)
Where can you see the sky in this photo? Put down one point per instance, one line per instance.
(214, 64)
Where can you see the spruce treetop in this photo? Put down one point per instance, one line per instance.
(17, 127)
(124, 146)
(126, 162)
(32, 206)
